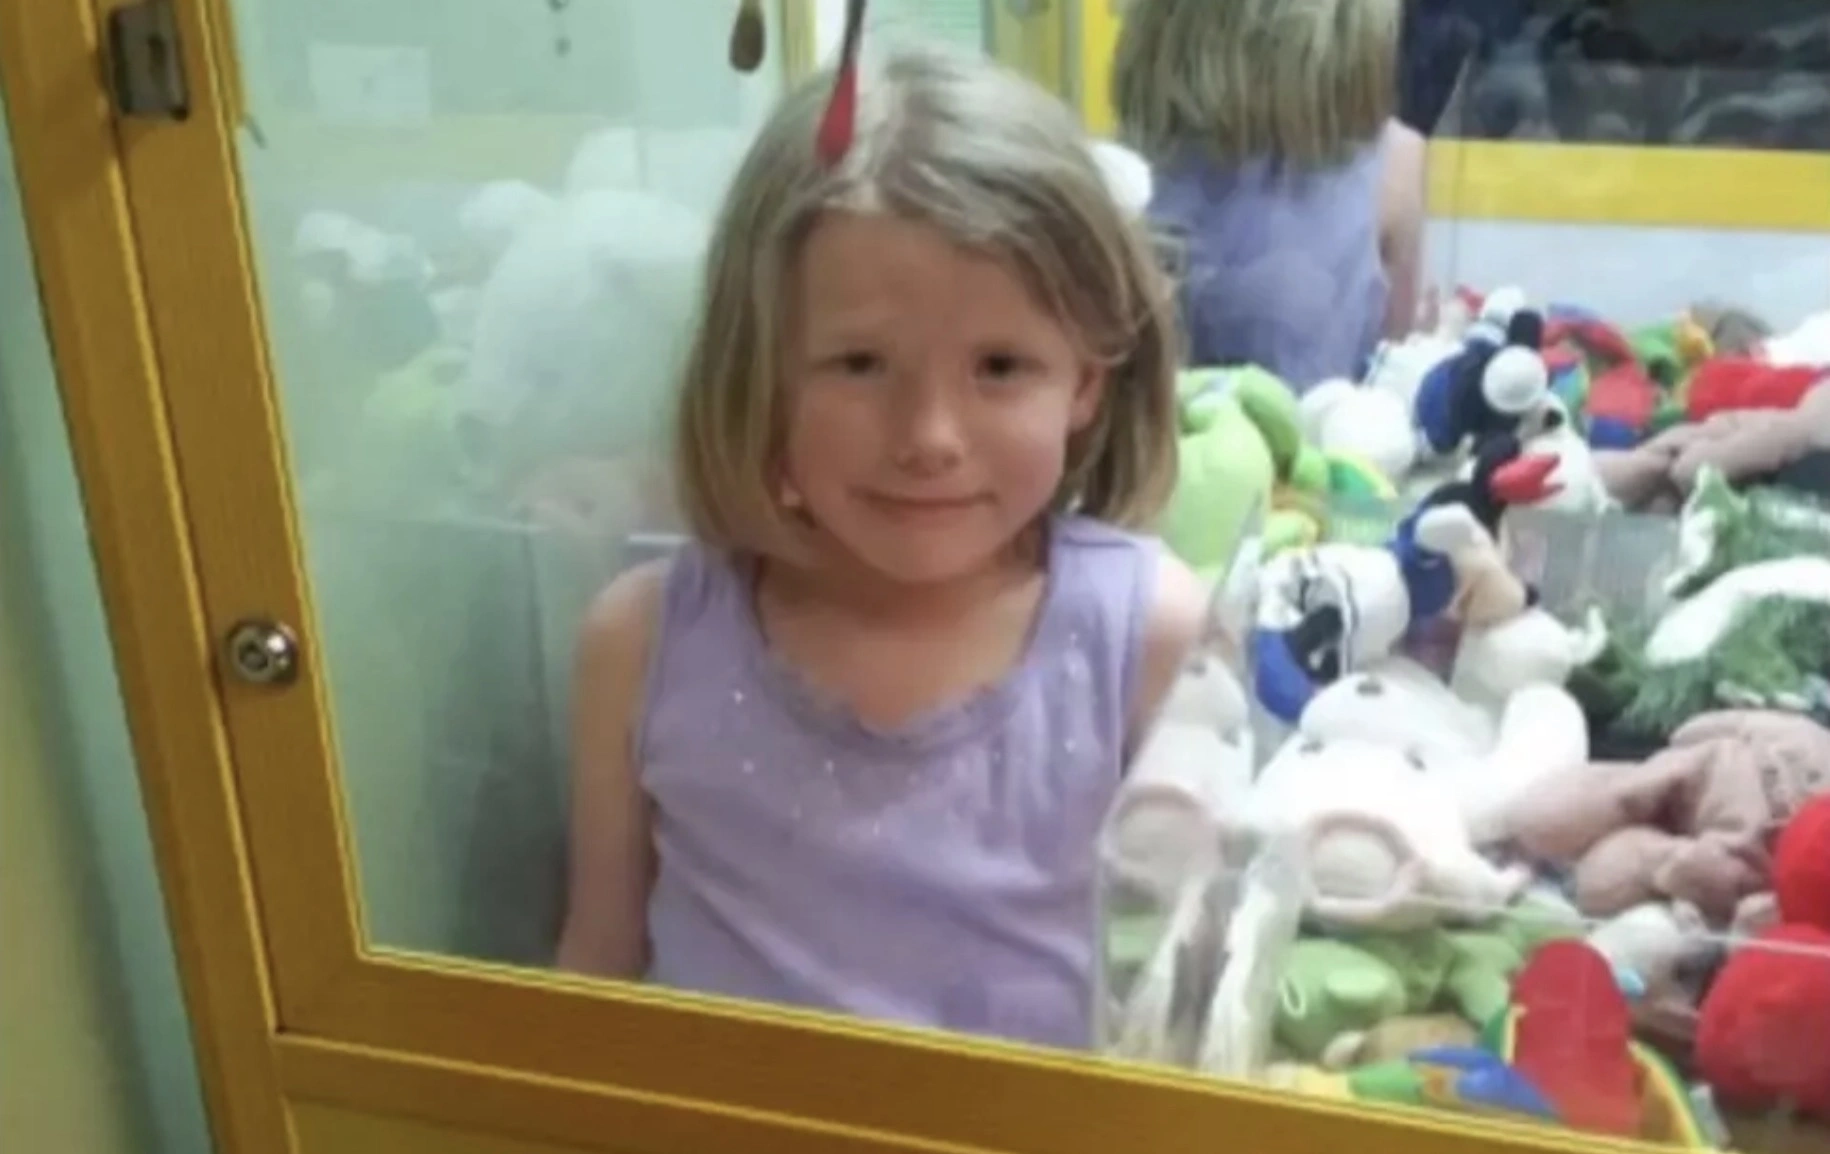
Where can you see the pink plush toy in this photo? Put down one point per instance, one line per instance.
(1693, 823)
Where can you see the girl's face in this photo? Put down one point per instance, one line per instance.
(930, 398)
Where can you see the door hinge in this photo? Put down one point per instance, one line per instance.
(146, 62)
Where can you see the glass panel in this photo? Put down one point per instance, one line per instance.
(478, 241)
(481, 244)
(89, 988)
(1739, 241)
(1409, 874)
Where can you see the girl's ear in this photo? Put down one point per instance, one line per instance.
(1088, 396)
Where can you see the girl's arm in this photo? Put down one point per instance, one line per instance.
(1177, 622)
(612, 864)
(1401, 212)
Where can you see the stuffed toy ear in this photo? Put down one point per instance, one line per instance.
(1526, 329)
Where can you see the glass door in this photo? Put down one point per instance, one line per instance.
(418, 279)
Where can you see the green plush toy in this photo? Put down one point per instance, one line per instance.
(1225, 473)
(1335, 990)
(1330, 990)
(1769, 651)
(1243, 456)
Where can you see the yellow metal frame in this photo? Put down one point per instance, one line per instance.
(154, 314)
(1694, 188)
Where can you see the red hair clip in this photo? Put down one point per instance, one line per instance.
(839, 124)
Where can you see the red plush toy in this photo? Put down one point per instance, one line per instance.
(1732, 384)
(1763, 1038)
(1801, 866)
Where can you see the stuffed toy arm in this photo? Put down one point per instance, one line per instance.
(1565, 815)
(1641, 864)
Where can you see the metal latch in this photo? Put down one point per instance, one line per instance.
(262, 652)
(145, 62)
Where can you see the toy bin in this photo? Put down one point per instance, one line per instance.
(1582, 880)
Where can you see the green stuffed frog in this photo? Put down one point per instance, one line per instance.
(1243, 457)
(1336, 991)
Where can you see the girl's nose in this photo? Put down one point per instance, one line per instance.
(928, 436)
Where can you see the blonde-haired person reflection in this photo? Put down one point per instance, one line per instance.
(850, 748)
(1298, 200)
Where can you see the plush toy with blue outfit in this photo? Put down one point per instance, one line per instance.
(1492, 385)
(1323, 612)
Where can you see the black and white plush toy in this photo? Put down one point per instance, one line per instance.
(1492, 385)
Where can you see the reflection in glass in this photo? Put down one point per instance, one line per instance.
(1685, 73)
(1296, 197)
(479, 241)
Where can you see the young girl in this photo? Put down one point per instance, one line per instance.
(850, 748)
(1298, 199)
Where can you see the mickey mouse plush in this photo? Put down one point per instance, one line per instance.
(1492, 385)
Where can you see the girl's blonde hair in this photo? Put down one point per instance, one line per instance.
(1304, 81)
(996, 165)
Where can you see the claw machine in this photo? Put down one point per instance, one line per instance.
(364, 313)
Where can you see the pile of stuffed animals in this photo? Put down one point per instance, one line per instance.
(1410, 832)
(1632, 417)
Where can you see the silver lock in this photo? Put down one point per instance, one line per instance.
(263, 653)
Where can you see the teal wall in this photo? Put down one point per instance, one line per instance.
(71, 758)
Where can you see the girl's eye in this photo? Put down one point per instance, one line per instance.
(1002, 366)
(858, 364)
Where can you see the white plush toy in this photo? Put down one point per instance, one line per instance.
(1576, 485)
(1650, 945)
(1373, 420)
(1189, 778)
(1127, 176)
(1808, 344)
(1177, 839)
(1368, 423)
(1401, 704)
(1497, 660)
(1480, 760)
(576, 322)
(1385, 842)
(498, 212)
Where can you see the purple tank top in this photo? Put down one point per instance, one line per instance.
(939, 875)
(1281, 265)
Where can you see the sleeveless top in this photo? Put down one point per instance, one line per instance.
(941, 874)
(1281, 265)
